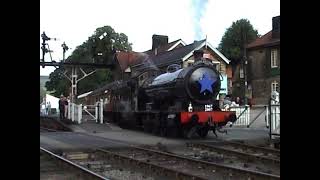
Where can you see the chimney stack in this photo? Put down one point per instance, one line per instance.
(159, 40)
(276, 27)
(197, 54)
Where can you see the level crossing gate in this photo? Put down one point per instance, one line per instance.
(77, 112)
(271, 116)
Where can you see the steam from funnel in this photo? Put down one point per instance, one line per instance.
(148, 62)
(198, 7)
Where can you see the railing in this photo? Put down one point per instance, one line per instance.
(243, 115)
(274, 120)
(75, 112)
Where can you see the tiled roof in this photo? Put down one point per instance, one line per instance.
(172, 56)
(127, 59)
(161, 49)
(263, 40)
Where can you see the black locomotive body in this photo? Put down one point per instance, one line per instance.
(179, 102)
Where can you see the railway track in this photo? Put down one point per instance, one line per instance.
(42, 129)
(53, 166)
(243, 154)
(130, 161)
(233, 158)
(181, 167)
(262, 152)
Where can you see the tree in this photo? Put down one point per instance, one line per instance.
(103, 41)
(42, 93)
(240, 33)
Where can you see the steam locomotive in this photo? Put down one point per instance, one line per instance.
(180, 102)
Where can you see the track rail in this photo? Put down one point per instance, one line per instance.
(239, 154)
(219, 170)
(47, 129)
(154, 167)
(254, 148)
(85, 173)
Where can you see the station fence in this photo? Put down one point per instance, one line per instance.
(75, 112)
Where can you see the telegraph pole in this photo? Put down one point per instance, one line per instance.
(75, 66)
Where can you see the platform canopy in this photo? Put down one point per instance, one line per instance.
(84, 95)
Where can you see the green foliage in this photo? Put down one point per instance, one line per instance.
(87, 52)
(239, 34)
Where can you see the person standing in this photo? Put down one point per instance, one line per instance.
(65, 107)
(239, 101)
(227, 102)
(62, 107)
(48, 108)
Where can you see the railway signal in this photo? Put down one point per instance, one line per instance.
(74, 66)
(44, 47)
(65, 48)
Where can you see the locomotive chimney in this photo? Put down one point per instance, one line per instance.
(197, 54)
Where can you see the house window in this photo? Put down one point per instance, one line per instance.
(274, 58)
(274, 86)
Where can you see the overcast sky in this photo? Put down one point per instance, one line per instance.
(73, 21)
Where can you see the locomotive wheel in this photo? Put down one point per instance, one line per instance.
(156, 124)
(203, 132)
(163, 126)
(163, 132)
(147, 125)
(185, 132)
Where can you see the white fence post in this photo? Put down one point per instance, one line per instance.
(247, 115)
(69, 110)
(72, 113)
(267, 116)
(79, 113)
(96, 114)
(101, 111)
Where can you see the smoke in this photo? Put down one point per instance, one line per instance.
(148, 62)
(198, 8)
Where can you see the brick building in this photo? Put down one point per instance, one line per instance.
(264, 64)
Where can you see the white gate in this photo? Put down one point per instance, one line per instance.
(75, 112)
(273, 120)
(243, 115)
